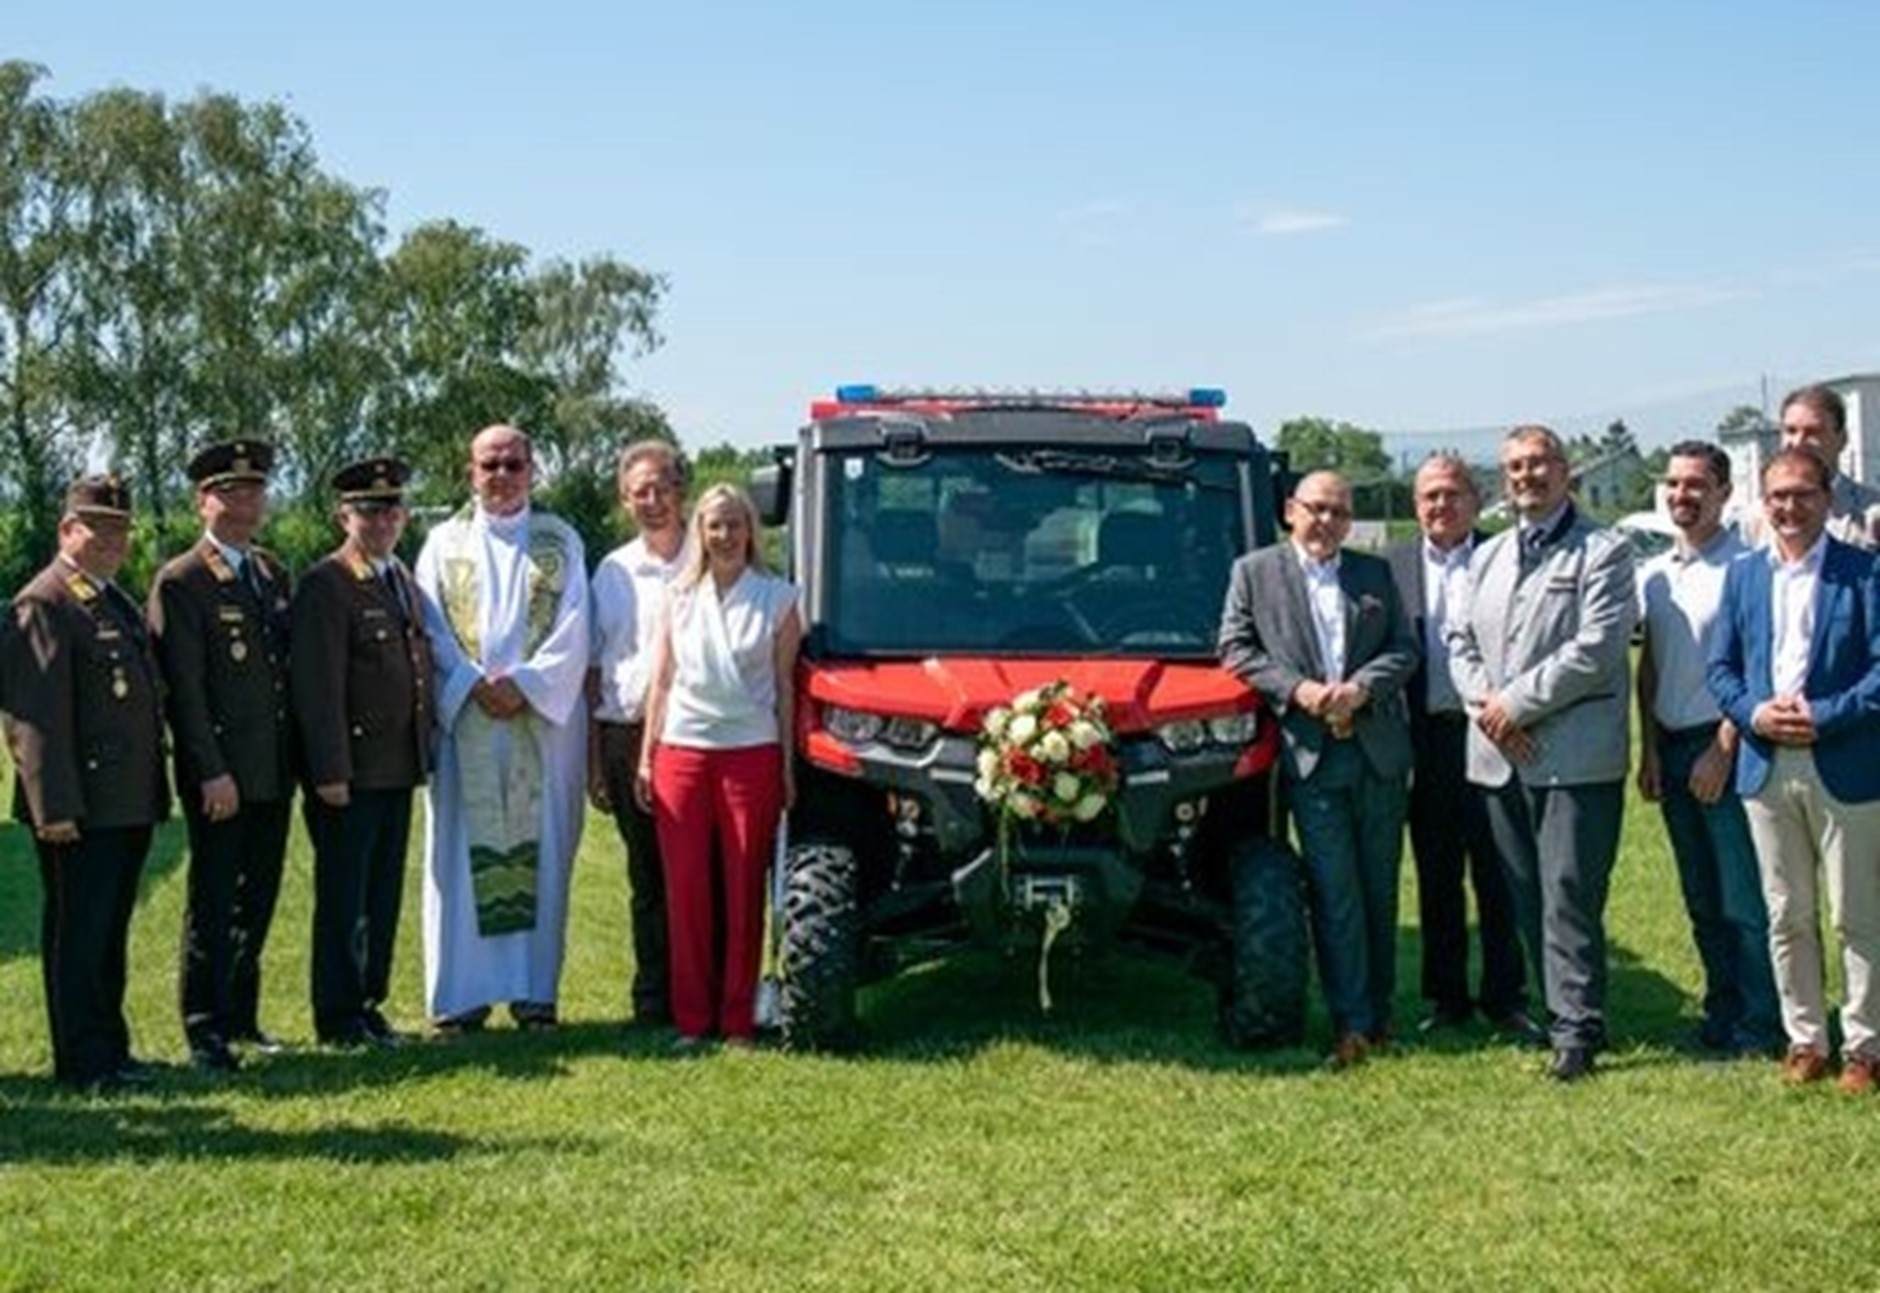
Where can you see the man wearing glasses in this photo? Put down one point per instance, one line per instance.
(629, 587)
(219, 614)
(1321, 634)
(505, 601)
(1542, 661)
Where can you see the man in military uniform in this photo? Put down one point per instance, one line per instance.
(219, 613)
(85, 727)
(362, 700)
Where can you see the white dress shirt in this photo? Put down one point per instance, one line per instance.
(1445, 599)
(1793, 586)
(628, 587)
(1327, 601)
(1680, 593)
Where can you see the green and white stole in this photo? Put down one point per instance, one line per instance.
(502, 798)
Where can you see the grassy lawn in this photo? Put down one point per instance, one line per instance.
(974, 1145)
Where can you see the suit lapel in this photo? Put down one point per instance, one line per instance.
(1293, 579)
(1351, 599)
(1827, 591)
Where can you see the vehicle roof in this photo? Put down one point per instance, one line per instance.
(1039, 426)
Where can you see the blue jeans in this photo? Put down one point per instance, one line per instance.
(1350, 823)
(1723, 896)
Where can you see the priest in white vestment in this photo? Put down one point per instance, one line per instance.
(505, 599)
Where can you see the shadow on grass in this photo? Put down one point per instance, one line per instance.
(1114, 1008)
(20, 890)
(45, 1125)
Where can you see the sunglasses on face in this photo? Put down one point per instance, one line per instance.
(513, 466)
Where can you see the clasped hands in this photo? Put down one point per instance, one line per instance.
(1785, 720)
(1498, 725)
(499, 697)
(1332, 703)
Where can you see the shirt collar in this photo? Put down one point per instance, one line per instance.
(1809, 562)
(234, 556)
(1451, 555)
(1549, 527)
(1684, 554)
(1314, 568)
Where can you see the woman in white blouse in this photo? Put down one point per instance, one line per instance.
(715, 768)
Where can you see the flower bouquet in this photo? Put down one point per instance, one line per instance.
(1046, 758)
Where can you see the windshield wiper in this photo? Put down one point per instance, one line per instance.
(1111, 466)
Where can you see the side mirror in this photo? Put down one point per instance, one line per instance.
(770, 491)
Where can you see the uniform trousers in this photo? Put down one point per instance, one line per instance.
(358, 888)
(234, 880)
(646, 880)
(1801, 830)
(718, 812)
(90, 890)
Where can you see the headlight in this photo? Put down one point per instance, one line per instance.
(909, 733)
(857, 727)
(852, 725)
(1184, 737)
(1234, 729)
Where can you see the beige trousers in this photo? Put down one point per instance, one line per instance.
(1802, 831)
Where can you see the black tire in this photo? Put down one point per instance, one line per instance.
(818, 956)
(1264, 1002)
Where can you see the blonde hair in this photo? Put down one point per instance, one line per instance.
(718, 495)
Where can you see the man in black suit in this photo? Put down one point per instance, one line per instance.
(85, 726)
(362, 698)
(1448, 817)
(1321, 635)
(219, 615)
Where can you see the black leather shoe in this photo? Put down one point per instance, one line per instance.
(1570, 1064)
(135, 1072)
(259, 1042)
(212, 1055)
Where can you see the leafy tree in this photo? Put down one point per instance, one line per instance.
(1744, 418)
(37, 309)
(1316, 444)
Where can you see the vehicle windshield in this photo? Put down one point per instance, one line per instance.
(1028, 552)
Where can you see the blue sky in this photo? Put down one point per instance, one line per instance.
(1423, 218)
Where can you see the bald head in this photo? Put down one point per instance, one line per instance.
(501, 469)
(1319, 513)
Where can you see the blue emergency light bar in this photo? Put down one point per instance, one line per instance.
(1203, 397)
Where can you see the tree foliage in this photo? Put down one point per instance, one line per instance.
(1319, 444)
(174, 273)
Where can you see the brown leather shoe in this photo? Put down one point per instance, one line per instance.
(1804, 1064)
(1860, 1074)
(1349, 1052)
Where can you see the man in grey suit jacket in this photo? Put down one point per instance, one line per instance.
(1321, 635)
(1542, 662)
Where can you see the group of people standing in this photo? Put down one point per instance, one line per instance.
(1479, 688)
(490, 675)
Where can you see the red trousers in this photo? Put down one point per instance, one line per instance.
(717, 812)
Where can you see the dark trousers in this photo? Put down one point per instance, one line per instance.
(1450, 836)
(90, 891)
(1350, 826)
(646, 878)
(1559, 844)
(1723, 897)
(358, 888)
(234, 879)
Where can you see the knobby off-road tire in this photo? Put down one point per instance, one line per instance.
(819, 956)
(1264, 1004)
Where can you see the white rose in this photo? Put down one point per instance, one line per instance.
(1088, 808)
(1023, 805)
(988, 764)
(1084, 734)
(1023, 728)
(1065, 787)
(982, 787)
(1053, 748)
(996, 721)
(1026, 702)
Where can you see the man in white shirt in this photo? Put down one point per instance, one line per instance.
(1688, 757)
(628, 589)
(1449, 834)
(1795, 665)
(1321, 634)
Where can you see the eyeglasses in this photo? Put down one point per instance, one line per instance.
(513, 466)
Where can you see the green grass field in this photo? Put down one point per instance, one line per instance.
(972, 1146)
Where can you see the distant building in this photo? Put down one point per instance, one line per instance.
(1609, 480)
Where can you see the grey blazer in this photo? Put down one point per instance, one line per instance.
(1267, 639)
(1555, 641)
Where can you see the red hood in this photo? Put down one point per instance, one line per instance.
(957, 692)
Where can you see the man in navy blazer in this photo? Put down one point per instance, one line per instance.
(1321, 635)
(1795, 664)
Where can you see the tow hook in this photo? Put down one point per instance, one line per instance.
(1058, 898)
